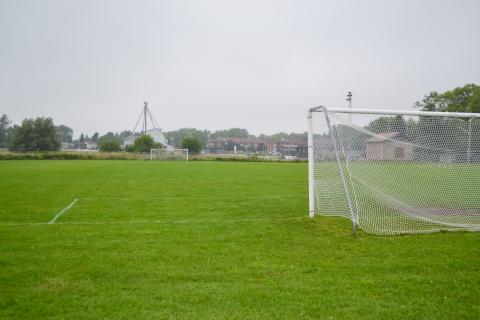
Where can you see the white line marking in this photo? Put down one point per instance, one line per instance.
(62, 211)
(158, 221)
(202, 221)
(183, 197)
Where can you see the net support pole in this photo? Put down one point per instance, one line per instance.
(333, 134)
(311, 201)
(469, 140)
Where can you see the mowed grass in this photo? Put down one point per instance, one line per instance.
(402, 197)
(210, 240)
(454, 184)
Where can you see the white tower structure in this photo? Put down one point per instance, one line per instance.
(155, 132)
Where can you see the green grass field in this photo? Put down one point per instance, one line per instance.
(210, 240)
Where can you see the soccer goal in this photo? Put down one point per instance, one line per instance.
(169, 154)
(395, 172)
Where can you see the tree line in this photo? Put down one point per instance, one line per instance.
(41, 134)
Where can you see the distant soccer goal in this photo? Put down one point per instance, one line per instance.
(395, 172)
(169, 154)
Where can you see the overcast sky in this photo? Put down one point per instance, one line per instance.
(218, 64)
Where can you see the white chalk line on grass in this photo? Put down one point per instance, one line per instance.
(183, 198)
(59, 214)
(202, 221)
(157, 221)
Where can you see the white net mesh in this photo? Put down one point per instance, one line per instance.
(397, 174)
(169, 154)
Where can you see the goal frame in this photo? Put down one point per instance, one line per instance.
(157, 149)
(325, 110)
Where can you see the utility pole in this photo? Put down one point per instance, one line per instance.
(349, 99)
(145, 110)
(142, 120)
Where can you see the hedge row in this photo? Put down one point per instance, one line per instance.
(72, 156)
(63, 155)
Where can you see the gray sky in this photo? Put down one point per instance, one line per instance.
(220, 64)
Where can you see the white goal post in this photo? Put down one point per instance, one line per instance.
(395, 172)
(169, 154)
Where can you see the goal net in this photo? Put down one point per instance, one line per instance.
(169, 154)
(394, 172)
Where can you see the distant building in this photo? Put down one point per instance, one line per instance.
(389, 146)
(90, 145)
(66, 146)
(231, 144)
(295, 148)
(86, 145)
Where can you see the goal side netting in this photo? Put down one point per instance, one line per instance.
(169, 154)
(394, 172)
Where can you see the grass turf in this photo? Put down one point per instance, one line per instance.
(150, 240)
(438, 196)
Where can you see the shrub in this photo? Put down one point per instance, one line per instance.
(130, 148)
(144, 143)
(109, 146)
(192, 144)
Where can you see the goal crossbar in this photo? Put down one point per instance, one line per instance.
(396, 112)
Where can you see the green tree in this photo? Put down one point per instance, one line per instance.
(123, 135)
(109, 146)
(95, 137)
(298, 136)
(388, 124)
(64, 133)
(460, 99)
(35, 135)
(82, 138)
(192, 144)
(176, 137)
(231, 133)
(119, 137)
(10, 134)
(276, 136)
(108, 137)
(447, 133)
(144, 143)
(4, 129)
(284, 136)
(130, 148)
